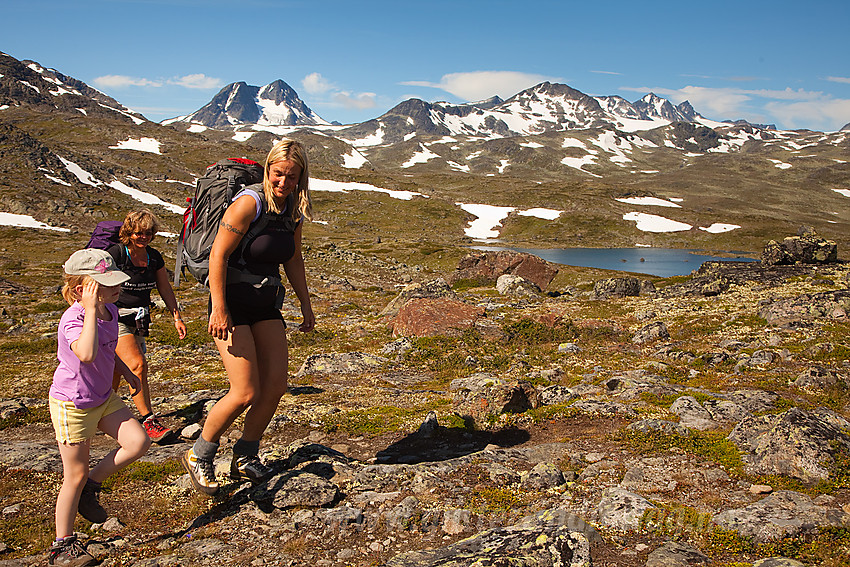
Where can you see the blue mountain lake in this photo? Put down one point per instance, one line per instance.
(663, 262)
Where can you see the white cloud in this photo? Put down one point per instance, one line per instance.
(196, 81)
(193, 81)
(839, 79)
(316, 84)
(798, 107)
(123, 81)
(829, 114)
(360, 101)
(606, 72)
(478, 85)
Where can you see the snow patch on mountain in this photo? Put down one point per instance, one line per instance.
(150, 145)
(651, 201)
(354, 160)
(655, 223)
(26, 221)
(720, 227)
(541, 213)
(488, 218)
(146, 198)
(422, 156)
(779, 164)
(346, 186)
(579, 162)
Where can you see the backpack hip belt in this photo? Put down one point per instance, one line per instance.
(234, 275)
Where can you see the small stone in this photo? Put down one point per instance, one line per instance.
(761, 489)
(13, 510)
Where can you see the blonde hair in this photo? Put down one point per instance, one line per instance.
(138, 221)
(69, 287)
(292, 150)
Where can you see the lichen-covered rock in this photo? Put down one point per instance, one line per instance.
(622, 510)
(616, 287)
(556, 394)
(806, 248)
(715, 287)
(676, 554)
(711, 414)
(797, 443)
(483, 396)
(341, 363)
(296, 489)
(510, 284)
(817, 378)
(784, 513)
(659, 426)
(652, 332)
(542, 477)
(784, 311)
(518, 546)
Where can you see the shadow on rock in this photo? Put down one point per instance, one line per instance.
(443, 443)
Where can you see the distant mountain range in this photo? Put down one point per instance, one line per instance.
(542, 108)
(550, 146)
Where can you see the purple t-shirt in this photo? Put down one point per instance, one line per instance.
(86, 385)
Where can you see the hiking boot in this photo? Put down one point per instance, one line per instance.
(201, 472)
(249, 467)
(69, 552)
(157, 431)
(89, 507)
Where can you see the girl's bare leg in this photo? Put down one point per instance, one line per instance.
(75, 467)
(132, 440)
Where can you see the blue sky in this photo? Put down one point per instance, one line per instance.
(780, 62)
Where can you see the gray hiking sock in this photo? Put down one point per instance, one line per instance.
(250, 448)
(204, 449)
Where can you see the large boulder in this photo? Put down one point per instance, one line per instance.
(517, 286)
(788, 310)
(782, 514)
(484, 397)
(797, 443)
(805, 248)
(616, 287)
(488, 266)
(431, 317)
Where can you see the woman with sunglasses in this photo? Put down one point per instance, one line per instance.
(146, 268)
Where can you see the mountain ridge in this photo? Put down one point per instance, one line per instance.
(238, 104)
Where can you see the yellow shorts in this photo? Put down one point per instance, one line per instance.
(74, 425)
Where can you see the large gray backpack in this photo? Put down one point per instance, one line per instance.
(213, 194)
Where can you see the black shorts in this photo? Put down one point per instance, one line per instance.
(248, 304)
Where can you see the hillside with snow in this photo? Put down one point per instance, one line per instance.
(549, 166)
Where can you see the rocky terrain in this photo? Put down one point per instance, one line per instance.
(454, 408)
(523, 415)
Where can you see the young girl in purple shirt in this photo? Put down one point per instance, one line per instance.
(82, 399)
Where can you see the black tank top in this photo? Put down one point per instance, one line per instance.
(274, 246)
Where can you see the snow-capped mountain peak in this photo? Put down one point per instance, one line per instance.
(275, 104)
